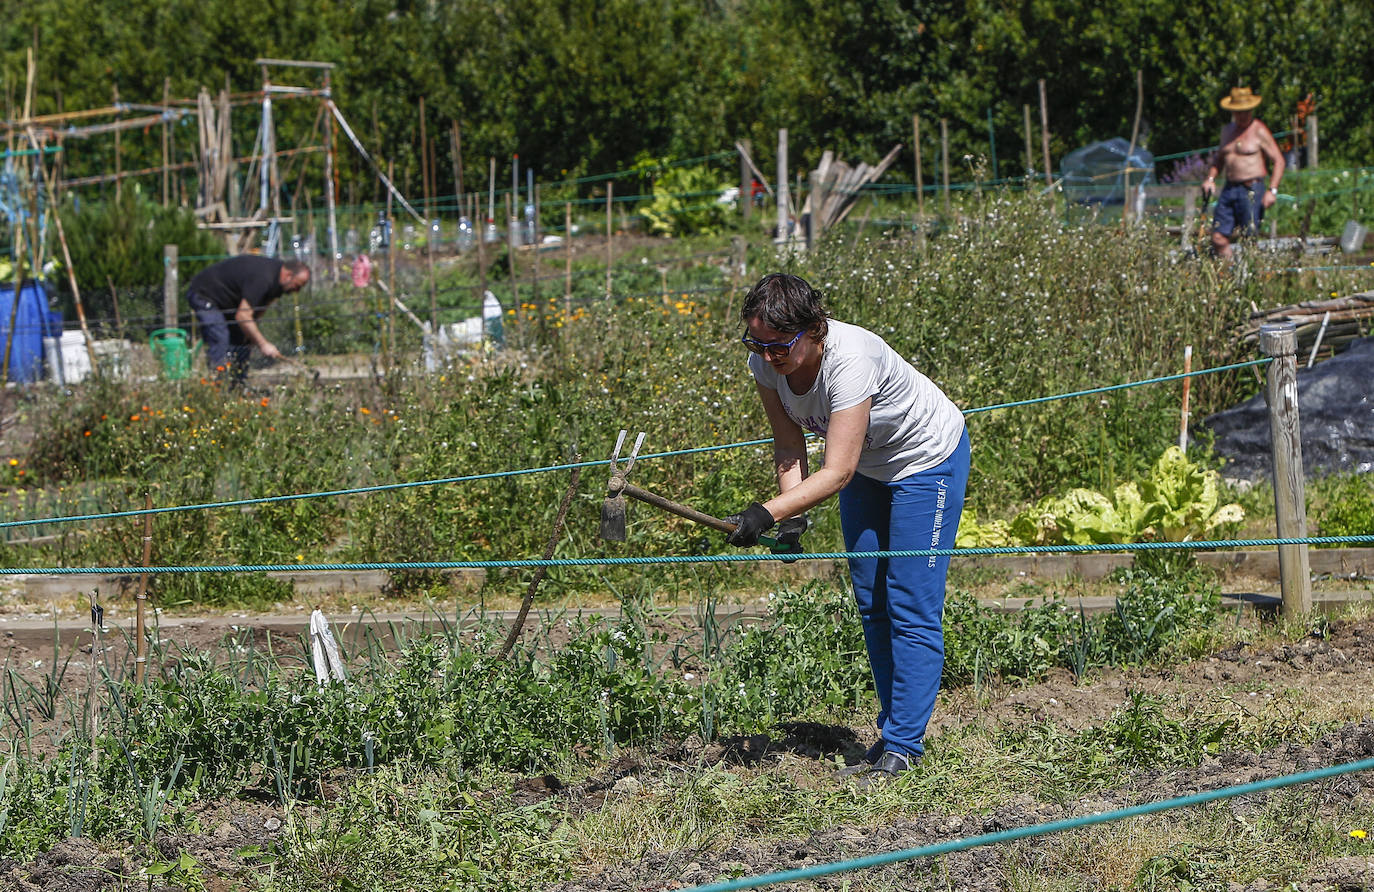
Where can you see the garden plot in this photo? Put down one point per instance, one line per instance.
(575, 771)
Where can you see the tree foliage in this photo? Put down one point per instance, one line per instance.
(587, 85)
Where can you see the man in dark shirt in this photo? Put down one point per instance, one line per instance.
(229, 297)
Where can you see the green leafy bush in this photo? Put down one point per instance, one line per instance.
(1179, 501)
(686, 202)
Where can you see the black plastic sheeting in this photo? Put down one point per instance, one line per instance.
(1335, 415)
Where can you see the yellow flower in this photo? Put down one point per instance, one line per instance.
(13, 462)
(1358, 834)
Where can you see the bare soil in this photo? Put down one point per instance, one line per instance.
(1333, 672)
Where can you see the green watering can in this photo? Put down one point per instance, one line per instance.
(172, 350)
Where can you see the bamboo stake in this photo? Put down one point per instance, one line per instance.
(67, 259)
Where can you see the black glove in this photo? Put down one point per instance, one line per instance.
(750, 523)
(789, 536)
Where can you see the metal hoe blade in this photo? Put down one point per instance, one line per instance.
(613, 508)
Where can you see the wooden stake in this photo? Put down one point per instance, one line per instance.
(610, 241)
(1030, 163)
(1312, 141)
(784, 202)
(944, 160)
(119, 153)
(1280, 341)
(920, 177)
(1187, 381)
(567, 258)
(746, 181)
(424, 158)
(141, 598)
(391, 268)
(1045, 132)
(1135, 134)
(166, 140)
(456, 140)
(510, 255)
(329, 198)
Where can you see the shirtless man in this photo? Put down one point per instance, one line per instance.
(1245, 143)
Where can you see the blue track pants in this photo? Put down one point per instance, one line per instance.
(902, 600)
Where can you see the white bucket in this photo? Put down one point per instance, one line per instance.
(1352, 239)
(76, 362)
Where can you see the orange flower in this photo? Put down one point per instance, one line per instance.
(133, 417)
(88, 433)
(264, 401)
(365, 410)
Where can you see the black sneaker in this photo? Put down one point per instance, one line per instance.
(891, 766)
(866, 763)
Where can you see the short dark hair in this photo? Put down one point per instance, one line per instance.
(786, 303)
(296, 267)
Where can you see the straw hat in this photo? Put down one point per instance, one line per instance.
(1241, 99)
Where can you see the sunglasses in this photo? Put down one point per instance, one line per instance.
(776, 348)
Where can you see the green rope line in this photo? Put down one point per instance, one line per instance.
(528, 563)
(1003, 836)
(381, 487)
(385, 487)
(1061, 396)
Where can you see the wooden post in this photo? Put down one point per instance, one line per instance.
(481, 253)
(1135, 134)
(944, 159)
(813, 220)
(119, 152)
(456, 137)
(329, 198)
(1030, 160)
(920, 180)
(784, 215)
(1280, 341)
(1045, 133)
(567, 258)
(1312, 141)
(746, 181)
(1189, 214)
(610, 248)
(141, 597)
(1187, 381)
(390, 269)
(166, 138)
(424, 157)
(169, 286)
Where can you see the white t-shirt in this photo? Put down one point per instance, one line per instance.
(912, 425)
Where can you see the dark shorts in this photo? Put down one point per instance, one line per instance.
(1239, 206)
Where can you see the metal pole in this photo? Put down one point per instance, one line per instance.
(1280, 341)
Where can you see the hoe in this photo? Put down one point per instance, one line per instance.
(613, 509)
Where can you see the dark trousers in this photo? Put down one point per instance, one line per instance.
(226, 347)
